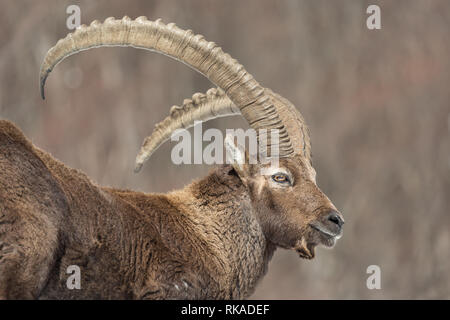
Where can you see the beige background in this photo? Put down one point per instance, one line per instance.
(377, 103)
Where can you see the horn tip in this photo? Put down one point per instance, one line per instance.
(137, 167)
(42, 86)
(140, 159)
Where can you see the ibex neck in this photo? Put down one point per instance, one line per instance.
(224, 216)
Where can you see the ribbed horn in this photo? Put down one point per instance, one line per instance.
(206, 57)
(204, 107)
(201, 107)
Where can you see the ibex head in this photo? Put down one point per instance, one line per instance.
(292, 210)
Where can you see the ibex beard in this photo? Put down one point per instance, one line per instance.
(211, 240)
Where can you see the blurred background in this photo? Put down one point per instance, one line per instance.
(377, 103)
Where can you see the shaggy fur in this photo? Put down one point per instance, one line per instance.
(211, 240)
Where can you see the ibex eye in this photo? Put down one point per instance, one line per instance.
(280, 178)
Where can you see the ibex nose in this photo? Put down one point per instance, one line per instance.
(335, 218)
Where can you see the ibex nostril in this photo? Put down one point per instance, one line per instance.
(334, 217)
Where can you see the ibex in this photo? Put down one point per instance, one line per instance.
(211, 240)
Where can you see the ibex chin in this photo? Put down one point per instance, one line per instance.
(211, 240)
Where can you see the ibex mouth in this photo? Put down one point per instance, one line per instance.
(326, 237)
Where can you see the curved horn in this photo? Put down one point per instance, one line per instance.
(255, 104)
(201, 107)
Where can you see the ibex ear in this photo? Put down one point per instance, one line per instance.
(237, 156)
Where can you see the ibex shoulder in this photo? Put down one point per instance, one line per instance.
(10, 133)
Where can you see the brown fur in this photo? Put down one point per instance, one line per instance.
(211, 240)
